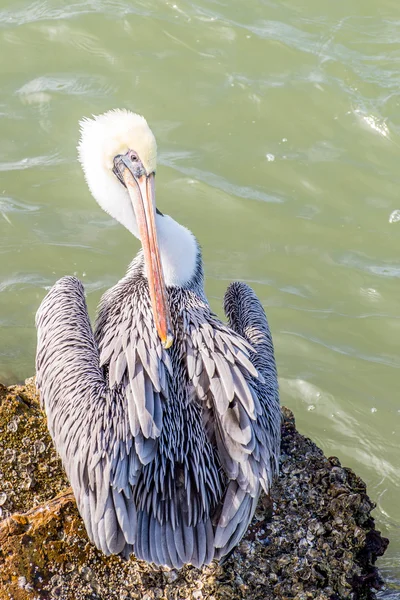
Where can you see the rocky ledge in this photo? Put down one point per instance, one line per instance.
(315, 537)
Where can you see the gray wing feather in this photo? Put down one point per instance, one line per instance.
(143, 537)
(137, 385)
(85, 512)
(171, 545)
(117, 369)
(218, 395)
(126, 515)
(225, 376)
(188, 540)
(243, 391)
(162, 540)
(102, 537)
(94, 525)
(180, 544)
(114, 541)
(101, 474)
(237, 425)
(146, 448)
(233, 499)
(199, 554)
(154, 543)
(190, 360)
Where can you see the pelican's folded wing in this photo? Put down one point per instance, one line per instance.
(87, 421)
(241, 406)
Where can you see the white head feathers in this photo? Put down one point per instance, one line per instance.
(102, 138)
(116, 132)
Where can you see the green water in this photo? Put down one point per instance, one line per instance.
(278, 126)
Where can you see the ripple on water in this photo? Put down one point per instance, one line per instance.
(373, 122)
(22, 281)
(366, 263)
(219, 182)
(32, 162)
(40, 11)
(371, 294)
(10, 205)
(345, 350)
(70, 85)
(67, 34)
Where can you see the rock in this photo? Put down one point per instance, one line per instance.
(313, 538)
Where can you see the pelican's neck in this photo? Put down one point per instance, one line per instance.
(179, 251)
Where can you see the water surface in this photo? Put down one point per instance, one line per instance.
(279, 136)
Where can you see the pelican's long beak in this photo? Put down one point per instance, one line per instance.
(141, 190)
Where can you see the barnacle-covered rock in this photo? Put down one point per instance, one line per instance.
(313, 538)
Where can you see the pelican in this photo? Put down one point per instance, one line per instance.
(167, 420)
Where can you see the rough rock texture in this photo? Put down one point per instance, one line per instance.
(315, 538)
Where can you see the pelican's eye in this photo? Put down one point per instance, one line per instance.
(132, 155)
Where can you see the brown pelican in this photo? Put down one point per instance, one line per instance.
(167, 421)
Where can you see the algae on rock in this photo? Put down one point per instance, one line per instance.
(315, 538)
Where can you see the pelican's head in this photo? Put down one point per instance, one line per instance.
(116, 133)
(118, 153)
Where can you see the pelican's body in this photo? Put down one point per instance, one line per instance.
(166, 420)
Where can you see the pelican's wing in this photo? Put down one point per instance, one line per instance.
(86, 420)
(233, 371)
(247, 318)
(132, 355)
